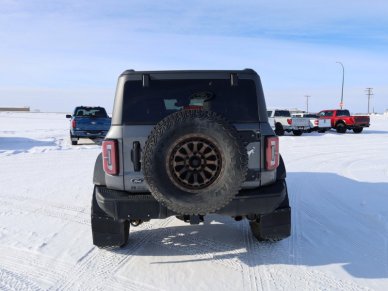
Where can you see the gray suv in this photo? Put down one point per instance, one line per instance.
(187, 144)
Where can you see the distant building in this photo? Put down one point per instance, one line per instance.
(386, 112)
(18, 109)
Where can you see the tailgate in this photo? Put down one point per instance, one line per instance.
(324, 122)
(86, 123)
(361, 120)
(300, 122)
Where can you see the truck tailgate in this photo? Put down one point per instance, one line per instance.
(300, 122)
(361, 120)
(324, 123)
(86, 123)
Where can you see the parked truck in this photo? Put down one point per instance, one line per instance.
(281, 121)
(341, 120)
(316, 124)
(88, 122)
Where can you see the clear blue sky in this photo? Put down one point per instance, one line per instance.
(55, 55)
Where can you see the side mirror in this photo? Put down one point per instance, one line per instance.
(68, 116)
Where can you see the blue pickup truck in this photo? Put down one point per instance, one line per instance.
(88, 122)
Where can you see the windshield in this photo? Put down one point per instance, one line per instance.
(90, 112)
(148, 105)
(343, 113)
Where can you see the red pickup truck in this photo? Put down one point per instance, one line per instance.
(341, 120)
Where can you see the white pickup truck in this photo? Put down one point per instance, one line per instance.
(316, 124)
(282, 121)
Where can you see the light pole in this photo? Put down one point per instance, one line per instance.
(307, 102)
(343, 78)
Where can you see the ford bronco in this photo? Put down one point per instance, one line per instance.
(188, 144)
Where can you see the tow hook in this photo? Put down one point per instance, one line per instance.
(192, 219)
(136, 222)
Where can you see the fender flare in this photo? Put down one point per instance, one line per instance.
(99, 174)
(281, 170)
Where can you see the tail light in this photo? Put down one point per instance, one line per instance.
(73, 123)
(289, 121)
(272, 153)
(110, 157)
(316, 122)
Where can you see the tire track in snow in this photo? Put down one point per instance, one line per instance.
(256, 278)
(97, 268)
(48, 203)
(294, 241)
(14, 281)
(45, 208)
(41, 270)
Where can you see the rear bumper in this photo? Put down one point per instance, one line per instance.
(361, 125)
(301, 128)
(125, 205)
(358, 125)
(89, 133)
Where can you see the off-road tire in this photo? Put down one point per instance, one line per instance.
(184, 194)
(340, 127)
(73, 142)
(279, 130)
(358, 129)
(106, 231)
(297, 132)
(278, 232)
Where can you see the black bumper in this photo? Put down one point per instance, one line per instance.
(126, 205)
(89, 133)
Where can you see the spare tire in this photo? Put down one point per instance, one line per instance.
(194, 162)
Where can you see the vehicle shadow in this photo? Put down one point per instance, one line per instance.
(333, 132)
(365, 131)
(336, 220)
(22, 144)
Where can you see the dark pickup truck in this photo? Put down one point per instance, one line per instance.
(88, 122)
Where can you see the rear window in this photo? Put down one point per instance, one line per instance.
(282, 113)
(343, 113)
(90, 112)
(148, 105)
(326, 113)
(310, 115)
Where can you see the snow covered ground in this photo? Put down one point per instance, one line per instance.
(338, 186)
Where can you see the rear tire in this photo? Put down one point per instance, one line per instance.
(340, 127)
(358, 129)
(74, 140)
(274, 226)
(106, 231)
(279, 130)
(297, 132)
